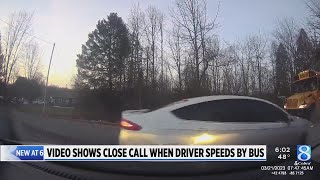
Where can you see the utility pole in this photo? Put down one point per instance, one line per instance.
(45, 89)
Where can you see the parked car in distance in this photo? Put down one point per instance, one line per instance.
(38, 101)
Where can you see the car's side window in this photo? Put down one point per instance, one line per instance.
(257, 111)
(232, 110)
(200, 111)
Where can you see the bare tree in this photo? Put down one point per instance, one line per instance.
(161, 26)
(1, 63)
(210, 53)
(152, 31)
(15, 36)
(314, 28)
(243, 54)
(191, 15)
(209, 43)
(250, 55)
(231, 69)
(136, 25)
(135, 70)
(272, 56)
(32, 60)
(286, 33)
(259, 49)
(314, 20)
(15, 73)
(175, 46)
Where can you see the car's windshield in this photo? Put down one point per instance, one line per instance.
(309, 84)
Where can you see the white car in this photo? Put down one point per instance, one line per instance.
(214, 120)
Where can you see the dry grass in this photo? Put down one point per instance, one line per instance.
(68, 113)
(51, 111)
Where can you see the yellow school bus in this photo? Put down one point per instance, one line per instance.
(304, 101)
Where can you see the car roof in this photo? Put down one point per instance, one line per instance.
(196, 100)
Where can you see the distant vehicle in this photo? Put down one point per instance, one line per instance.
(16, 100)
(214, 120)
(13, 100)
(38, 101)
(304, 101)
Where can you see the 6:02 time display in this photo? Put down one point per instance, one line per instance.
(282, 149)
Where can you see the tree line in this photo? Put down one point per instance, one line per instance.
(157, 58)
(20, 58)
(152, 58)
(21, 61)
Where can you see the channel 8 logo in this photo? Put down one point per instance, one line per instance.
(303, 152)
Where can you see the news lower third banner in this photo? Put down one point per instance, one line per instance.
(133, 153)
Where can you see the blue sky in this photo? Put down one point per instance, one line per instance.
(68, 22)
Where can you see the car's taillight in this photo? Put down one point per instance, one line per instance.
(126, 124)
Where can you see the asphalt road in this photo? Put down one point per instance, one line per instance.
(43, 130)
(30, 128)
(314, 140)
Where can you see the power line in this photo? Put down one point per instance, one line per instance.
(29, 33)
